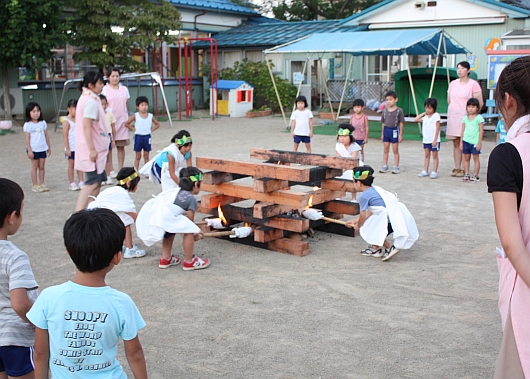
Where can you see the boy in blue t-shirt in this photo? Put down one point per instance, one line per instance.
(79, 323)
(501, 131)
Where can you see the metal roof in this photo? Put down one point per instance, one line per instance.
(219, 5)
(229, 84)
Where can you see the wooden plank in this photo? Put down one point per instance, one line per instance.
(338, 185)
(215, 199)
(266, 234)
(333, 228)
(216, 177)
(269, 185)
(305, 158)
(266, 210)
(339, 206)
(290, 246)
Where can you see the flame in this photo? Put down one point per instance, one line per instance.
(279, 162)
(315, 188)
(221, 215)
(309, 203)
(247, 224)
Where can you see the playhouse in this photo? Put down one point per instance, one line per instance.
(234, 98)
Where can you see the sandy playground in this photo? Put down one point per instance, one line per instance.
(430, 312)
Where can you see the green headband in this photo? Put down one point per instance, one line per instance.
(196, 177)
(184, 140)
(358, 175)
(344, 132)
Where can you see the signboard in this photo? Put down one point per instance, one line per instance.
(498, 60)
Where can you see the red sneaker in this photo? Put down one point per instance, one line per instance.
(196, 264)
(165, 263)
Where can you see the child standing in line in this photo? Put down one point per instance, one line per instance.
(69, 137)
(37, 145)
(360, 123)
(392, 130)
(348, 148)
(93, 240)
(302, 124)
(501, 131)
(18, 289)
(172, 212)
(143, 121)
(111, 128)
(381, 215)
(118, 200)
(471, 139)
(431, 136)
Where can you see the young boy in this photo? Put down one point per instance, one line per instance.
(111, 128)
(18, 289)
(391, 119)
(78, 323)
(142, 129)
(381, 215)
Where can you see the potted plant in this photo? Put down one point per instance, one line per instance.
(265, 111)
(253, 113)
(325, 113)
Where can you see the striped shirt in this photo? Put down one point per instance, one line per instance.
(15, 272)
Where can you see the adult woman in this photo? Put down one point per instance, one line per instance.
(117, 96)
(92, 139)
(509, 183)
(459, 92)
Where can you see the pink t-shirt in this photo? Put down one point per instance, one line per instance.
(117, 100)
(459, 94)
(360, 126)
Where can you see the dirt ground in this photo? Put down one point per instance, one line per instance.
(430, 312)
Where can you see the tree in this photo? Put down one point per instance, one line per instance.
(109, 30)
(30, 29)
(304, 10)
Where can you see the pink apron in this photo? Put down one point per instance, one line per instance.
(117, 99)
(459, 95)
(514, 294)
(100, 137)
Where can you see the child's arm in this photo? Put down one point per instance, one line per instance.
(135, 357)
(401, 128)
(462, 136)
(419, 117)
(113, 132)
(27, 137)
(358, 222)
(189, 161)
(436, 134)
(382, 130)
(133, 215)
(129, 122)
(49, 152)
(20, 302)
(480, 136)
(191, 214)
(293, 124)
(41, 353)
(367, 128)
(66, 130)
(171, 168)
(497, 138)
(311, 127)
(157, 124)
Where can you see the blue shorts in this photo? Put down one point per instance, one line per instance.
(360, 142)
(38, 155)
(431, 147)
(16, 360)
(469, 148)
(142, 143)
(72, 155)
(93, 177)
(304, 139)
(110, 143)
(391, 134)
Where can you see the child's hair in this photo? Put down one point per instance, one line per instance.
(464, 64)
(473, 102)
(364, 174)
(514, 80)
(29, 108)
(71, 103)
(115, 69)
(141, 99)
(91, 77)
(301, 98)
(346, 130)
(188, 176)
(391, 93)
(431, 102)
(130, 176)
(182, 138)
(103, 97)
(93, 237)
(358, 102)
(11, 199)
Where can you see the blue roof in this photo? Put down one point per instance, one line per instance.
(219, 5)
(230, 84)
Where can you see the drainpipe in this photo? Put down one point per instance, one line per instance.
(195, 30)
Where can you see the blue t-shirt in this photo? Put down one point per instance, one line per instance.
(369, 198)
(84, 326)
(501, 129)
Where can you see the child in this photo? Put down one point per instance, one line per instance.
(118, 200)
(69, 134)
(142, 129)
(37, 145)
(392, 130)
(347, 147)
(111, 128)
(302, 124)
(360, 123)
(78, 323)
(431, 136)
(471, 139)
(171, 212)
(501, 131)
(18, 289)
(164, 168)
(381, 215)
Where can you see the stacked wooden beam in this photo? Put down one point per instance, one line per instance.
(275, 212)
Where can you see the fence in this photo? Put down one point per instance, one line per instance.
(357, 89)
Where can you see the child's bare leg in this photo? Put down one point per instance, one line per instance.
(79, 175)
(395, 149)
(146, 157)
(128, 237)
(33, 172)
(108, 165)
(71, 171)
(188, 243)
(362, 152)
(435, 161)
(83, 199)
(387, 245)
(308, 147)
(41, 170)
(427, 160)
(476, 162)
(167, 244)
(295, 147)
(467, 160)
(121, 156)
(386, 149)
(137, 158)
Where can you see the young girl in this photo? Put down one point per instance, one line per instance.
(471, 139)
(348, 148)
(172, 212)
(164, 168)
(508, 170)
(118, 200)
(69, 145)
(360, 123)
(431, 136)
(37, 145)
(111, 128)
(302, 124)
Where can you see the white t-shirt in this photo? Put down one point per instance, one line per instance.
(143, 125)
(429, 128)
(37, 138)
(301, 118)
(90, 110)
(71, 135)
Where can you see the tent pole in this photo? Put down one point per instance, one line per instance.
(412, 89)
(327, 92)
(447, 64)
(344, 89)
(277, 94)
(300, 85)
(435, 64)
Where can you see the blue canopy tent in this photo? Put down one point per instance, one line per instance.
(386, 42)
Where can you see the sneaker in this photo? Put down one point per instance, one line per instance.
(389, 253)
(133, 253)
(370, 252)
(454, 172)
(423, 174)
(109, 181)
(395, 170)
(73, 187)
(36, 188)
(433, 175)
(113, 174)
(165, 263)
(196, 264)
(81, 184)
(383, 169)
(474, 179)
(354, 201)
(44, 188)
(460, 173)
(466, 178)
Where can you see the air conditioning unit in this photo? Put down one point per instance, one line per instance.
(15, 98)
(419, 5)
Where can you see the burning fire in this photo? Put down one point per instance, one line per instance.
(246, 224)
(221, 215)
(315, 188)
(279, 162)
(309, 203)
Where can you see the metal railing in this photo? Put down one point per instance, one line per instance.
(357, 89)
